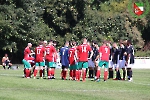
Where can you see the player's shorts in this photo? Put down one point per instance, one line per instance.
(73, 67)
(82, 65)
(121, 63)
(103, 63)
(129, 66)
(91, 63)
(50, 64)
(37, 64)
(63, 66)
(110, 64)
(26, 64)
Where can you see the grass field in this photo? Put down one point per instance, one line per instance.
(14, 87)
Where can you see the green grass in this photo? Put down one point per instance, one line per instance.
(14, 87)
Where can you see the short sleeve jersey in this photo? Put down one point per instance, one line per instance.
(105, 52)
(83, 51)
(39, 53)
(72, 56)
(50, 50)
(27, 52)
(64, 56)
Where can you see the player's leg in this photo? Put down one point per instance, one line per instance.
(9, 65)
(84, 67)
(116, 66)
(122, 66)
(4, 65)
(129, 72)
(106, 70)
(36, 69)
(98, 74)
(71, 72)
(53, 66)
(111, 72)
(41, 69)
(80, 64)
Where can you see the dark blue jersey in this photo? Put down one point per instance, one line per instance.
(121, 53)
(64, 53)
(130, 54)
(115, 55)
(95, 53)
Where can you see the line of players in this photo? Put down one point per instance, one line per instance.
(78, 58)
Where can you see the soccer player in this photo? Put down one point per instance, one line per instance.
(64, 55)
(6, 62)
(115, 60)
(26, 61)
(94, 61)
(72, 61)
(122, 59)
(111, 72)
(44, 67)
(129, 59)
(104, 52)
(50, 54)
(39, 59)
(82, 56)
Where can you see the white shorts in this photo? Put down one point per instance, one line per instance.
(91, 63)
(116, 65)
(121, 63)
(110, 65)
(129, 65)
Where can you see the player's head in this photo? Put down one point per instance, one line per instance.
(128, 42)
(73, 43)
(50, 42)
(41, 42)
(88, 43)
(67, 43)
(44, 42)
(104, 43)
(6, 55)
(84, 40)
(109, 43)
(29, 45)
(121, 43)
(54, 43)
(115, 45)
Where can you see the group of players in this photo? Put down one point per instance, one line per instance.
(78, 58)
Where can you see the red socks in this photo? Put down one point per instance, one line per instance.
(27, 71)
(105, 75)
(98, 73)
(77, 74)
(35, 72)
(83, 75)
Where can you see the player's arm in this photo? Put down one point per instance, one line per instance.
(91, 54)
(76, 54)
(3, 59)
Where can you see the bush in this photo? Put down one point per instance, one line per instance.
(142, 54)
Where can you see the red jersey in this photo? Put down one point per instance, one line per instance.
(50, 50)
(83, 51)
(39, 53)
(27, 52)
(105, 52)
(72, 56)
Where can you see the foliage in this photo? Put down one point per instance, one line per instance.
(23, 21)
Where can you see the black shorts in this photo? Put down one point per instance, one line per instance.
(63, 67)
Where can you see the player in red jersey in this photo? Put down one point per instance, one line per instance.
(26, 60)
(82, 56)
(39, 59)
(104, 52)
(72, 61)
(44, 67)
(50, 56)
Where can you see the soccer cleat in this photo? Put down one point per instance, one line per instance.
(98, 80)
(115, 79)
(104, 80)
(130, 80)
(34, 77)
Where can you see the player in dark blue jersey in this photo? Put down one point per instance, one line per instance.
(64, 56)
(111, 72)
(129, 59)
(115, 60)
(122, 58)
